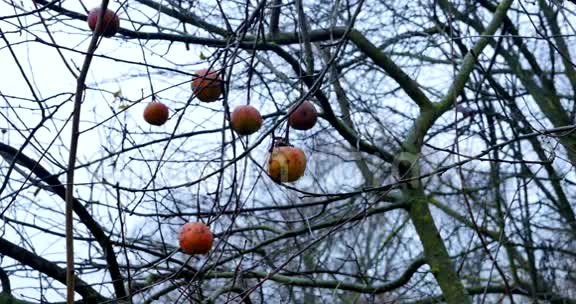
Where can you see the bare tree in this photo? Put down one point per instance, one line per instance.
(440, 170)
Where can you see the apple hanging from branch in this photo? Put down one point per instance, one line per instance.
(304, 117)
(156, 113)
(111, 21)
(207, 85)
(195, 238)
(245, 120)
(286, 163)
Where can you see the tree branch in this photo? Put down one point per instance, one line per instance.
(327, 284)
(275, 17)
(5, 280)
(83, 214)
(409, 85)
(186, 17)
(50, 269)
(272, 45)
(470, 59)
(498, 289)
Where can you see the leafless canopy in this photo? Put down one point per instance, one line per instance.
(441, 169)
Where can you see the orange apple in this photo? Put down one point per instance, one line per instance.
(195, 238)
(286, 164)
(156, 113)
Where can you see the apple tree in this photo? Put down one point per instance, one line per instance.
(273, 151)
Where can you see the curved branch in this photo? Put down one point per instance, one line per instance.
(185, 17)
(328, 224)
(79, 209)
(469, 61)
(409, 85)
(498, 289)
(6, 298)
(279, 38)
(50, 269)
(326, 284)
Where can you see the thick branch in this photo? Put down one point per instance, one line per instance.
(409, 85)
(6, 298)
(48, 268)
(306, 229)
(328, 284)
(403, 279)
(5, 280)
(545, 96)
(497, 289)
(304, 31)
(79, 209)
(185, 17)
(275, 17)
(470, 59)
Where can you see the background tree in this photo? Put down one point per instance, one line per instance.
(440, 170)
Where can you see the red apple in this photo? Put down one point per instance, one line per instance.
(195, 238)
(111, 21)
(245, 120)
(304, 117)
(207, 85)
(156, 113)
